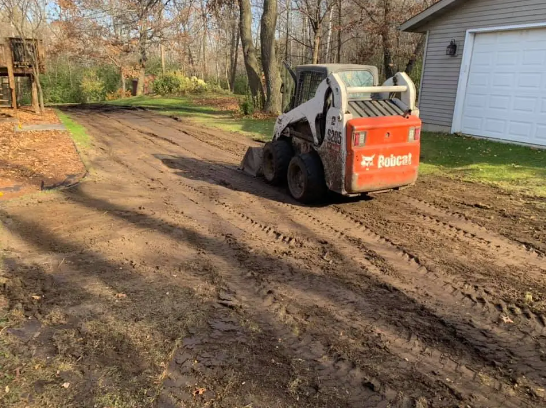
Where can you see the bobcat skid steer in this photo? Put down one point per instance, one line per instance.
(342, 132)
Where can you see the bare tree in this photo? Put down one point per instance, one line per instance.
(316, 12)
(381, 18)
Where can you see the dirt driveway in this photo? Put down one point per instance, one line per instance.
(170, 279)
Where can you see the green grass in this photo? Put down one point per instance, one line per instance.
(78, 132)
(261, 129)
(511, 167)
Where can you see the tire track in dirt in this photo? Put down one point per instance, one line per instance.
(460, 378)
(336, 373)
(426, 285)
(196, 201)
(253, 294)
(477, 295)
(304, 212)
(517, 218)
(468, 228)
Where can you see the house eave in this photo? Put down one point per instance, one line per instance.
(417, 23)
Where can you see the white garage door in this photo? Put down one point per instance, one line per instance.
(506, 92)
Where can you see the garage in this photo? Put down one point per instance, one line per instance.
(484, 68)
(505, 95)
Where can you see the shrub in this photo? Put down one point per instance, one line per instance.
(240, 85)
(246, 106)
(92, 88)
(168, 84)
(197, 85)
(117, 95)
(174, 83)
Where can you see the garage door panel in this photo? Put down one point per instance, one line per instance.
(496, 127)
(525, 104)
(540, 134)
(479, 79)
(476, 101)
(505, 94)
(482, 59)
(534, 57)
(521, 129)
(509, 37)
(507, 58)
(503, 80)
(543, 107)
(529, 80)
(472, 124)
(499, 102)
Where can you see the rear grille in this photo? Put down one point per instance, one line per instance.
(372, 109)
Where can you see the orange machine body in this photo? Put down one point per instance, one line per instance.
(389, 156)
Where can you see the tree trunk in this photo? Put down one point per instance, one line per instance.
(34, 93)
(388, 63)
(387, 40)
(234, 58)
(287, 44)
(317, 32)
(123, 84)
(204, 44)
(249, 52)
(39, 89)
(287, 59)
(338, 55)
(141, 80)
(11, 77)
(142, 61)
(415, 56)
(162, 49)
(269, 60)
(329, 36)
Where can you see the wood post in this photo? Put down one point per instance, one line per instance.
(35, 102)
(11, 75)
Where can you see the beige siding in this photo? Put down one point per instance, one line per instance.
(441, 73)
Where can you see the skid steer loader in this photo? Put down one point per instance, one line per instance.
(342, 132)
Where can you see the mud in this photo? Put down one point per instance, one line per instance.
(169, 278)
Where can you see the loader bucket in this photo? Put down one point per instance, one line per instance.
(252, 162)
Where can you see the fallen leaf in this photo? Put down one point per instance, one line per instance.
(7, 389)
(121, 295)
(506, 319)
(66, 385)
(36, 297)
(199, 391)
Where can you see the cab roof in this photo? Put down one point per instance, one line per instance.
(332, 68)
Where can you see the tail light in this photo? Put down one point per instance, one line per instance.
(359, 138)
(414, 134)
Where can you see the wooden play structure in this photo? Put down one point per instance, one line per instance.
(18, 56)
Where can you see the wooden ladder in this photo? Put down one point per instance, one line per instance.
(4, 92)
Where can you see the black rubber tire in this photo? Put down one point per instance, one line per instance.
(306, 178)
(276, 158)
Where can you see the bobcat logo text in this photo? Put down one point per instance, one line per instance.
(386, 161)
